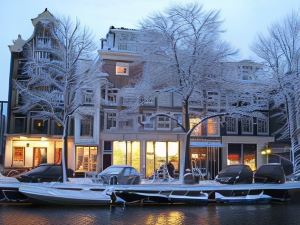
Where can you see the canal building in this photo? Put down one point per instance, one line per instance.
(111, 137)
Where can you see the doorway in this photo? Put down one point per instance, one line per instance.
(39, 156)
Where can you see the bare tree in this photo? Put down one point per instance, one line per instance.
(55, 75)
(280, 50)
(183, 54)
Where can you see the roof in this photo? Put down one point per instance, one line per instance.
(44, 16)
(17, 45)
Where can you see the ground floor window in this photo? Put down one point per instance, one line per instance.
(57, 156)
(159, 153)
(86, 158)
(242, 153)
(127, 153)
(18, 156)
(39, 156)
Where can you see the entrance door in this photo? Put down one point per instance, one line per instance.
(106, 161)
(207, 159)
(39, 156)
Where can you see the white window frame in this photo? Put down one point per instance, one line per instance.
(148, 126)
(250, 119)
(88, 96)
(124, 65)
(227, 125)
(90, 119)
(163, 120)
(259, 122)
(108, 116)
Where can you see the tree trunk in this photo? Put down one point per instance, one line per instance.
(64, 158)
(186, 124)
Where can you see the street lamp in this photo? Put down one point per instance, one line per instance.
(266, 152)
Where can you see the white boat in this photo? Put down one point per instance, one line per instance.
(166, 196)
(243, 199)
(68, 194)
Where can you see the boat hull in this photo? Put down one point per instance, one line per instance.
(53, 195)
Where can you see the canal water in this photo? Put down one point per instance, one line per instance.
(285, 214)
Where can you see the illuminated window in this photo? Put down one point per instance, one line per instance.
(249, 155)
(127, 153)
(122, 68)
(242, 153)
(234, 154)
(159, 153)
(57, 156)
(39, 126)
(86, 158)
(212, 127)
(39, 156)
(18, 156)
(197, 130)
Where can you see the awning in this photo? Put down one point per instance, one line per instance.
(199, 144)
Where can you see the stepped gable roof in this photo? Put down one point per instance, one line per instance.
(45, 16)
(17, 45)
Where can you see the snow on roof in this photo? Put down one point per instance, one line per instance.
(42, 17)
(17, 45)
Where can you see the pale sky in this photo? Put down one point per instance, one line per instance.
(243, 20)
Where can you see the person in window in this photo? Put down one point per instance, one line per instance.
(171, 169)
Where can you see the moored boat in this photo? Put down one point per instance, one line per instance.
(164, 196)
(67, 194)
(250, 198)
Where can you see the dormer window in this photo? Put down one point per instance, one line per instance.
(122, 68)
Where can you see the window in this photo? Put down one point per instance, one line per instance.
(86, 158)
(39, 126)
(126, 124)
(122, 68)
(39, 156)
(198, 130)
(212, 127)
(111, 120)
(87, 97)
(163, 123)
(247, 125)
(262, 126)
(242, 153)
(212, 99)
(86, 126)
(20, 125)
(231, 125)
(112, 95)
(148, 122)
(41, 55)
(159, 153)
(57, 128)
(127, 153)
(18, 156)
(57, 156)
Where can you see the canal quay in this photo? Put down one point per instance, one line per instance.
(283, 214)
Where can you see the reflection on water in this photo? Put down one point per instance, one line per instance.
(286, 214)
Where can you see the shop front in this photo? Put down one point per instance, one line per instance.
(145, 156)
(26, 153)
(206, 156)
